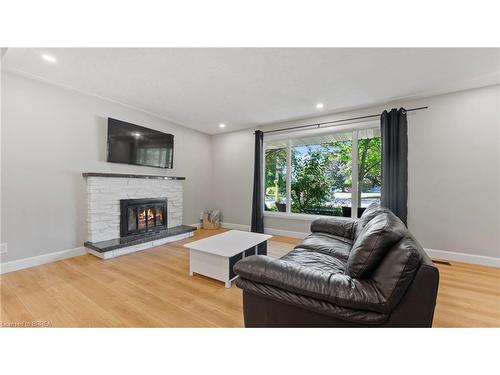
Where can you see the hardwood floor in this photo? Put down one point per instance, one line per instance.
(152, 288)
(468, 296)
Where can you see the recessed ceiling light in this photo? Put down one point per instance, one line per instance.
(221, 125)
(137, 135)
(319, 105)
(49, 58)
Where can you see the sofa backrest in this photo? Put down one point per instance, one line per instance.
(371, 211)
(376, 238)
(398, 268)
(398, 263)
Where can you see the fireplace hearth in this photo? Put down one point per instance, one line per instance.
(139, 216)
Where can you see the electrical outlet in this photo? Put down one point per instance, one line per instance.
(3, 248)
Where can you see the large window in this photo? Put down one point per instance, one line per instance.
(323, 174)
(369, 167)
(276, 177)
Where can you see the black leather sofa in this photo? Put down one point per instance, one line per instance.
(369, 272)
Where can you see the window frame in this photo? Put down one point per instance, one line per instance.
(288, 136)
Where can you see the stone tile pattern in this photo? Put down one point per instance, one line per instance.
(104, 194)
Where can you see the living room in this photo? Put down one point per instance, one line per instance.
(252, 187)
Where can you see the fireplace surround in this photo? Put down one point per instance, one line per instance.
(109, 198)
(142, 216)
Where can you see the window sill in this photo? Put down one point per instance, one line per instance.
(292, 216)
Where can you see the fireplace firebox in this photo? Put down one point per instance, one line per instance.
(142, 215)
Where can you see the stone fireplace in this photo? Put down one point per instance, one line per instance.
(128, 212)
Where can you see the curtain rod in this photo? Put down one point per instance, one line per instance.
(318, 125)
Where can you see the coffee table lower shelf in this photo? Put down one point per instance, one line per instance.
(217, 267)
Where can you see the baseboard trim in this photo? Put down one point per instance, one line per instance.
(286, 233)
(433, 253)
(19, 264)
(15, 265)
(197, 225)
(274, 231)
(235, 226)
(480, 260)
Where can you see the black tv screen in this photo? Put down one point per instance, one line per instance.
(133, 144)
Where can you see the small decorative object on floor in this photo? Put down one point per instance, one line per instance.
(211, 219)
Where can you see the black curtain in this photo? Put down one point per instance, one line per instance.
(394, 129)
(258, 193)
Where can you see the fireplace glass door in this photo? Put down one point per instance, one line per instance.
(142, 215)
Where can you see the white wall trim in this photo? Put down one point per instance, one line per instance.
(274, 231)
(293, 216)
(433, 253)
(20, 264)
(464, 258)
(286, 233)
(235, 226)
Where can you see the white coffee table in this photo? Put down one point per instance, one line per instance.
(215, 256)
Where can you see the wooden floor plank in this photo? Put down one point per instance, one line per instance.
(152, 288)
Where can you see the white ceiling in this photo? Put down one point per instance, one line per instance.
(245, 87)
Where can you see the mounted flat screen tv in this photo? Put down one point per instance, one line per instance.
(133, 144)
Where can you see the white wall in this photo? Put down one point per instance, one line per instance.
(51, 135)
(2, 53)
(233, 155)
(454, 172)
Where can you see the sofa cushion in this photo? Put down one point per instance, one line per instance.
(371, 212)
(301, 278)
(397, 270)
(372, 244)
(328, 244)
(315, 260)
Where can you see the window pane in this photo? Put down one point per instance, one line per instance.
(321, 174)
(369, 167)
(275, 178)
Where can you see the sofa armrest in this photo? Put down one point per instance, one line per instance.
(338, 289)
(338, 226)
